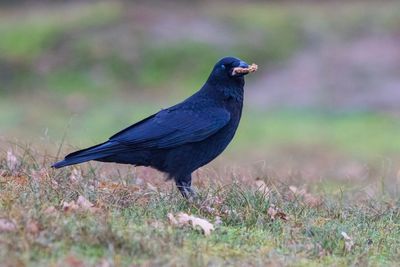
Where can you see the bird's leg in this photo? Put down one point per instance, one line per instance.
(184, 186)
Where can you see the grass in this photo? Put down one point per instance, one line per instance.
(158, 66)
(357, 134)
(66, 48)
(65, 72)
(41, 29)
(71, 47)
(130, 225)
(86, 121)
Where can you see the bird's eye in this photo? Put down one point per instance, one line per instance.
(223, 66)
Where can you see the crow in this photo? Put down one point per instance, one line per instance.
(180, 139)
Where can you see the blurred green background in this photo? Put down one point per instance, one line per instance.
(327, 90)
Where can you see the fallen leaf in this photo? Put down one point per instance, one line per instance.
(12, 161)
(297, 191)
(33, 227)
(83, 203)
(54, 184)
(206, 226)
(19, 180)
(40, 175)
(50, 210)
(75, 175)
(152, 187)
(185, 219)
(272, 212)
(348, 242)
(312, 201)
(72, 261)
(304, 196)
(69, 206)
(7, 225)
(262, 187)
(172, 219)
(283, 216)
(110, 186)
(277, 213)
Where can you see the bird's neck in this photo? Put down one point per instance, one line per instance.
(225, 90)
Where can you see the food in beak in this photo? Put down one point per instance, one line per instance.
(239, 70)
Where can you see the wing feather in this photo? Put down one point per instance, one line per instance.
(173, 127)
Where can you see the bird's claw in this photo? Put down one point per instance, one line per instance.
(187, 192)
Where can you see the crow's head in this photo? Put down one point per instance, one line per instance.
(231, 69)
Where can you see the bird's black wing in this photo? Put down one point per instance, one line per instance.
(173, 127)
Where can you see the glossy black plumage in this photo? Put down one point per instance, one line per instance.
(182, 138)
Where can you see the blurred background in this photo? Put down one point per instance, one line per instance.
(324, 104)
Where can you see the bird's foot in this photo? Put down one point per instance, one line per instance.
(184, 185)
(187, 192)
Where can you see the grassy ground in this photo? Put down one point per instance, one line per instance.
(85, 121)
(85, 70)
(257, 222)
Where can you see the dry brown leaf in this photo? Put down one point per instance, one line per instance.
(186, 219)
(296, 191)
(54, 184)
(303, 195)
(12, 161)
(152, 187)
(40, 175)
(206, 226)
(83, 203)
(33, 227)
(72, 261)
(283, 216)
(262, 187)
(312, 201)
(69, 206)
(7, 225)
(50, 210)
(172, 219)
(277, 213)
(183, 218)
(348, 242)
(272, 212)
(104, 185)
(76, 175)
(19, 180)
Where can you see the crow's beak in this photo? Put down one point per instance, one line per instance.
(243, 64)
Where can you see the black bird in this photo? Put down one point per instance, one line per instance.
(184, 137)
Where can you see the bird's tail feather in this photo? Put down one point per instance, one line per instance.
(92, 153)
